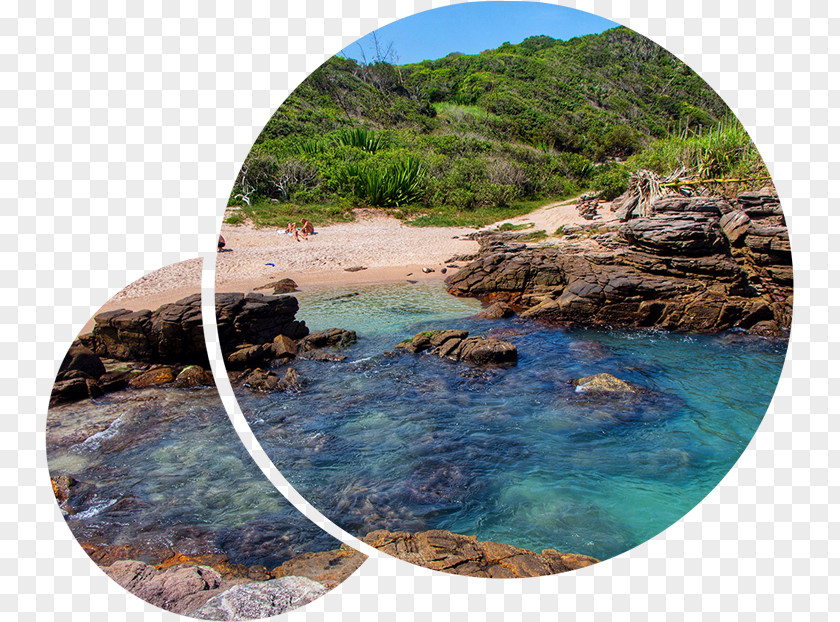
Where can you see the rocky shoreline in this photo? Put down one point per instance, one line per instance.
(704, 264)
(209, 587)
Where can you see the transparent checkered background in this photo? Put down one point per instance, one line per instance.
(121, 130)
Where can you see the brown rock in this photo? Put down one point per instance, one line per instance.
(69, 391)
(153, 377)
(194, 376)
(734, 225)
(328, 567)
(283, 286)
(457, 345)
(329, 338)
(465, 555)
(496, 311)
(602, 383)
(178, 589)
(267, 381)
(674, 271)
(62, 486)
(249, 356)
(81, 359)
(479, 351)
(284, 347)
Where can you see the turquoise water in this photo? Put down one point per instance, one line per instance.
(415, 442)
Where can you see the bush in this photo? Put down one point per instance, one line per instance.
(611, 181)
(360, 138)
(395, 185)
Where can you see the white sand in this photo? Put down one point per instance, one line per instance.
(388, 249)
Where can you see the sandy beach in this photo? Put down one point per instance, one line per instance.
(387, 249)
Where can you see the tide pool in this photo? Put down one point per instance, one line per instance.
(412, 442)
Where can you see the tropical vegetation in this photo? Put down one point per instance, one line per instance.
(468, 139)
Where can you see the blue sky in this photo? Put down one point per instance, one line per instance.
(476, 26)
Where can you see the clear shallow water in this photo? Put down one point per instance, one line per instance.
(164, 468)
(416, 442)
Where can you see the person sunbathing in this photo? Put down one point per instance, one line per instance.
(306, 227)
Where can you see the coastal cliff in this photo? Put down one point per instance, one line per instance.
(702, 264)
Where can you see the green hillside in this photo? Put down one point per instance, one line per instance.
(467, 138)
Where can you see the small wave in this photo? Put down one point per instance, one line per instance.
(95, 509)
(94, 442)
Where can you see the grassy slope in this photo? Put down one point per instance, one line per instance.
(492, 134)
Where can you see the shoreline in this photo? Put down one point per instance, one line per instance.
(390, 251)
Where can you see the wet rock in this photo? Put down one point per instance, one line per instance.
(327, 567)
(479, 351)
(153, 377)
(69, 391)
(62, 486)
(602, 383)
(260, 600)
(428, 270)
(115, 380)
(80, 359)
(268, 381)
(194, 376)
(331, 337)
(496, 311)
(355, 269)
(283, 286)
(258, 573)
(457, 345)
(284, 347)
(248, 356)
(465, 555)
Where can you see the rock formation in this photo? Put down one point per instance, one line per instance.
(171, 334)
(696, 264)
(260, 600)
(602, 383)
(459, 346)
(465, 555)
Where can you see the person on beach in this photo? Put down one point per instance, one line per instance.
(290, 228)
(306, 227)
(221, 243)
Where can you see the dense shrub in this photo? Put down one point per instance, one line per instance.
(611, 181)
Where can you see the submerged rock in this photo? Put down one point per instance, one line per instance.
(602, 383)
(465, 555)
(260, 600)
(283, 286)
(329, 338)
